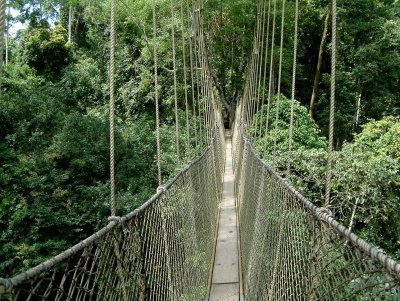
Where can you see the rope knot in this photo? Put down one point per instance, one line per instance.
(160, 188)
(114, 219)
(321, 211)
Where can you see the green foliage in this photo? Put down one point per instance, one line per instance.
(365, 175)
(367, 170)
(82, 84)
(305, 131)
(46, 49)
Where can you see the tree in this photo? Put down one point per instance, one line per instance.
(319, 64)
(229, 38)
(46, 49)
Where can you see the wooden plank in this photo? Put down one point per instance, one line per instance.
(225, 278)
(226, 262)
(225, 292)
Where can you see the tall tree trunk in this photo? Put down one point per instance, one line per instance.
(358, 111)
(319, 64)
(70, 17)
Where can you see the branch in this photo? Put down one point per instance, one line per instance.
(221, 92)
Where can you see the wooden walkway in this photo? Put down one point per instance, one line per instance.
(225, 279)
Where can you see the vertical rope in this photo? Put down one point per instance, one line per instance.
(257, 67)
(200, 67)
(194, 102)
(279, 77)
(270, 72)
(112, 109)
(175, 83)
(195, 71)
(295, 42)
(252, 74)
(332, 107)
(2, 28)
(265, 67)
(70, 24)
(186, 88)
(7, 35)
(262, 62)
(156, 93)
(255, 64)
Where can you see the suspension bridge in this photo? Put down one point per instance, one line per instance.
(226, 227)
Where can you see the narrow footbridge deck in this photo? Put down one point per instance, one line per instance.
(225, 278)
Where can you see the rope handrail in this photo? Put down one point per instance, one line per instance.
(324, 216)
(8, 284)
(272, 211)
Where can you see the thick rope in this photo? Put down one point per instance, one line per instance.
(112, 109)
(258, 68)
(332, 107)
(156, 94)
(185, 84)
(262, 62)
(253, 96)
(295, 42)
(279, 77)
(175, 84)
(7, 36)
(200, 58)
(195, 70)
(270, 72)
(248, 101)
(265, 68)
(2, 29)
(192, 75)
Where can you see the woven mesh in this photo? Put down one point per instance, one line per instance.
(162, 251)
(292, 250)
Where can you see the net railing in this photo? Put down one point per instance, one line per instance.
(160, 251)
(293, 250)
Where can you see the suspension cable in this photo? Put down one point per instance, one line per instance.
(270, 72)
(255, 64)
(250, 84)
(262, 62)
(295, 42)
(332, 106)
(156, 93)
(175, 83)
(192, 75)
(195, 69)
(2, 29)
(257, 71)
(279, 77)
(185, 85)
(265, 68)
(112, 109)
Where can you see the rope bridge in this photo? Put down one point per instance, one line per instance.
(293, 250)
(160, 251)
(163, 250)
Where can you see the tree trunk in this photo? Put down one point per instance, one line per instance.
(319, 64)
(358, 112)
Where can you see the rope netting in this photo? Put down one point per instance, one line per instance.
(163, 249)
(293, 250)
(160, 251)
